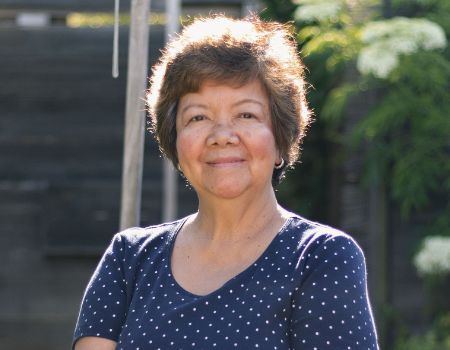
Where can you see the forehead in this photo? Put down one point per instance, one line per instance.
(210, 90)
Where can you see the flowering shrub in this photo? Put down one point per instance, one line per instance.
(404, 62)
(434, 257)
(386, 40)
(319, 10)
(433, 264)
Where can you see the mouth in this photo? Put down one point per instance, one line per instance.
(225, 162)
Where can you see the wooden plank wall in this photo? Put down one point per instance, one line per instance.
(107, 5)
(61, 129)
(71, 5)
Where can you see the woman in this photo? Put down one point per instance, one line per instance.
(227, 102)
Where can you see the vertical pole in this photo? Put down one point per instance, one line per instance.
(170, 202)
(134, 115)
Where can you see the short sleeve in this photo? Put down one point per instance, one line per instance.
(330, 308)
(104, 305)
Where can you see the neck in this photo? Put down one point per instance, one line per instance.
(237, 219)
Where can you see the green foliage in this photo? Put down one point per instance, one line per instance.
(279, 9)
(334, 106)
(427, 341)
(412, 118)
(340, 45)
(437, 338)
(406, 133)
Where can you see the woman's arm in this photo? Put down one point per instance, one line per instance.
(95, 343)
(104, 306)
(331, 308)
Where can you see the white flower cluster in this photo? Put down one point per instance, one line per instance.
(434, 257)
(387, 40)
(317, 10)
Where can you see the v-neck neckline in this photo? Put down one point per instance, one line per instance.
(239, 276)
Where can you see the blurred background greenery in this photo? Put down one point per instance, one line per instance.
(395, 56)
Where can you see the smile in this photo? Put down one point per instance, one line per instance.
(225, 162)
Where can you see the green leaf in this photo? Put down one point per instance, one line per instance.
(334, 107)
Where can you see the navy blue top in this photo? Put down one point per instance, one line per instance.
(306, 291)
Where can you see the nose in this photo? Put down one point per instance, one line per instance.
(222, 134)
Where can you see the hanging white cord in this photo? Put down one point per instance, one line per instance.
(115, 65)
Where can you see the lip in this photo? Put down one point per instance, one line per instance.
(225, 162)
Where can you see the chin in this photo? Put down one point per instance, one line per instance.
(228, 194)
(227, 190)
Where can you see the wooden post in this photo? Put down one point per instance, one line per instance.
(135, 115)
(170, 202)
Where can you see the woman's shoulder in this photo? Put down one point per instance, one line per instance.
(135, 238)
(321, 250)
(313, 235)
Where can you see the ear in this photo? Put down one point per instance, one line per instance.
(279, 158)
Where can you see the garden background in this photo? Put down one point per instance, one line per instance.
(375, 163)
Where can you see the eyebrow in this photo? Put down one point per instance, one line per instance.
(185, 108)
(248, 100)
(245, 100)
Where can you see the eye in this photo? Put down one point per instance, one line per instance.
(246, 116)
(197, 118)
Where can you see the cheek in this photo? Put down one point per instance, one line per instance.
(187, 145)
(181, 147)
(263, 143)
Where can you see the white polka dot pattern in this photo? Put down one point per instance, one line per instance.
(306, 291)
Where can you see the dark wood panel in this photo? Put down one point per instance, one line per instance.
(69, 5)
(61, 112)
(103, 5)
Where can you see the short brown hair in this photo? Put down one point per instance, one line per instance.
(236, 52)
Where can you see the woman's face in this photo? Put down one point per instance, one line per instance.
(225, 142)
